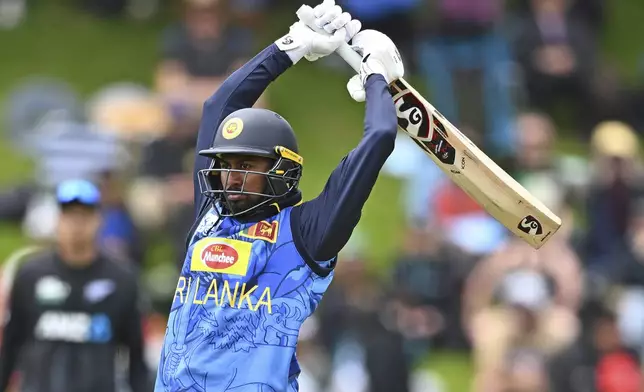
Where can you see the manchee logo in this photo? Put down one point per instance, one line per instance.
(219, 256)
(223, 255)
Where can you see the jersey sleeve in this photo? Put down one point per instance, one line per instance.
(15, 330)
(240, 90)
(323, 225)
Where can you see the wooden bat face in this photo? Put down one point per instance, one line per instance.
(471, 169)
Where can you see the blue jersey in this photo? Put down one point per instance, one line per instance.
(243, 294)
(246, 287)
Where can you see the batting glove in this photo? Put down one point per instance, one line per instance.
(379, 56)
(301, 41)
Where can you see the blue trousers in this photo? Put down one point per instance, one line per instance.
(439, 60)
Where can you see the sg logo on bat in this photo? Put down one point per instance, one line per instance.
(530, 225)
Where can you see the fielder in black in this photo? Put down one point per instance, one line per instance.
(71, 308)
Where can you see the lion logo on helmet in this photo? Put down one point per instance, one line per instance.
(232, 128)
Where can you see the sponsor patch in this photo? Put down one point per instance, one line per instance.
(221, 255)
(263, 231)
(74, 327)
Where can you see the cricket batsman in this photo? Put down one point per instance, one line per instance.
(259, 259)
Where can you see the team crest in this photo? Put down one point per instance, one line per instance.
(263, 231)
(232, 128)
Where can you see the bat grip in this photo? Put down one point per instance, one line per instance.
(305, 13)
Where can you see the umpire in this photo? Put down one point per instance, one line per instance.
(72, 308)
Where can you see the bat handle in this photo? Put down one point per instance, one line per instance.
(305, 13)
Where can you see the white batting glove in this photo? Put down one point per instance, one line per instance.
(301, 41)
(331, 18)
(379, 56)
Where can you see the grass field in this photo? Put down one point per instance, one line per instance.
(58, 41)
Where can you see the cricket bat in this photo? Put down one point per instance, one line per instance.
(461, 160)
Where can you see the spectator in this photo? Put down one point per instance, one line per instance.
(360, 330)
(129, 111)
(540, 166)
(598, 361)
(118, 235)
(465, 224)
(558, 56)
(623, 281)
(590, 12)
(466, 62)
(201, 51)
(614, 186)
(513, 339)
(162, 193)
(426, 274)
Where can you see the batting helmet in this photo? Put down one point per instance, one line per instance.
(254, 132)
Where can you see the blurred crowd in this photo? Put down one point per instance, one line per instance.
(512, 75)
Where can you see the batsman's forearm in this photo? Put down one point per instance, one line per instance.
(380, 112)
(327, 222)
